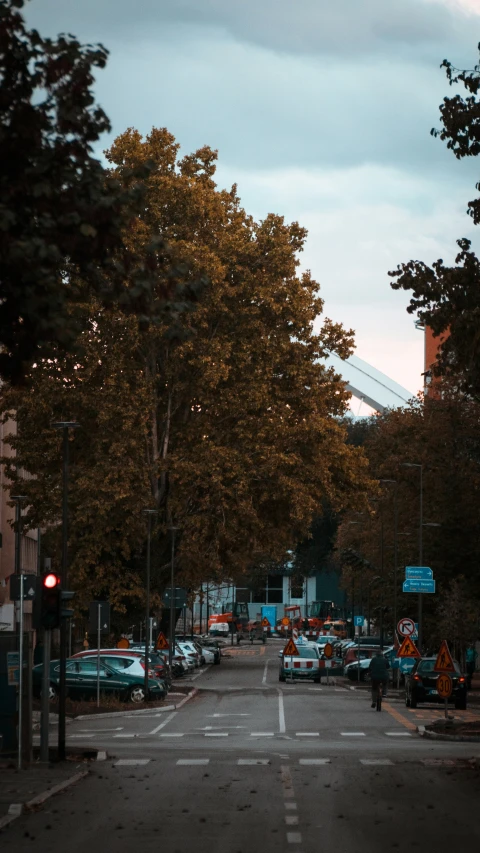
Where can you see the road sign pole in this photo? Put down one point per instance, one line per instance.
(44, 719)
(20, 679)
(358, 656)
(99, 613)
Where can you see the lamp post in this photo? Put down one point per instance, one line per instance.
(65, 426)
(351, 523)
(395, 549)
(173, 530)
(420, 545)
(148, 513)
(18, 571)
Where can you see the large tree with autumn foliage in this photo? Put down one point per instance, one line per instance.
(226, 423)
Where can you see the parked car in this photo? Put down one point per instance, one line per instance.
(158, 667)
(304, 665)
(421, 685)
(81, 681)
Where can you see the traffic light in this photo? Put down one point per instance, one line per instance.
(51, 601)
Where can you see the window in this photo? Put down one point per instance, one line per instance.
(296, 588)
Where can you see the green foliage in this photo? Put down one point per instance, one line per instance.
(226, 425)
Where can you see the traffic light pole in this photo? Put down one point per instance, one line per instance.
(45, 709)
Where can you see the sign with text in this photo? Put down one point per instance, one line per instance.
(419, 586)
(421, 573)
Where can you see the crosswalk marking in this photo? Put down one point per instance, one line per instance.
(187, 761)
(131, 762)
(262, 734)
(352, 734)
(172, 734)
(251, 761)
(216, 734)
(398, 734)
(307, 734)
(376, 761)
(314, 761)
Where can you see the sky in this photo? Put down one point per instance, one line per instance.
(321, 111)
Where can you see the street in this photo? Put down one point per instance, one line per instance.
(249, 764)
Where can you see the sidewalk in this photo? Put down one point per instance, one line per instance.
(21, 790)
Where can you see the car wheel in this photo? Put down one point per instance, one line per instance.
(136, 694)
(317, 679)
(281, 677)
(461, 704)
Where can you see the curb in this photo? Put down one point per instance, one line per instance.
(424, 732)
(17, 809)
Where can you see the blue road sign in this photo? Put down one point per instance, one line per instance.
(422, 573)
(421, 586)
(359, 620)
(406, 664)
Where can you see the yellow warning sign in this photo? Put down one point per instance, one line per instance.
(265, 622)
(290, 648)
(444, 661)
(408, 649)
(162, 642)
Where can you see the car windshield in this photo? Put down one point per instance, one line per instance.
(428, 666)
(306, 652)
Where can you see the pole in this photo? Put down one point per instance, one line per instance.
(147, 605)
(420, 555)
(20, 679)
(395, 557)
(207, 608)
(172, 598)
(99, 611)
(185, 621)
(382, 576)
(45, 710)
(201, 609)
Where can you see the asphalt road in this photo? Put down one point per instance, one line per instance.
(249, 764)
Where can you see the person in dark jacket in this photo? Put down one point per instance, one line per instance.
(379, 674)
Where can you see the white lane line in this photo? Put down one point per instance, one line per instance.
(294, 837)
(287, 782)
(291, 806)
(291, 820)
(352, 734)
(262, 734)
(307, 734)
(316, 689)
(95, 731)
(187, 761)
(216, 734)
(79, 736)
(131, 762)
(166, 720)
(172, 734)
(252, 761)
(376, 761)
(314, 761)
(281, 713)
(124, 736)
(265, 670)
(398, 734)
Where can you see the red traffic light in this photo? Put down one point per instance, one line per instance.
(51, 580)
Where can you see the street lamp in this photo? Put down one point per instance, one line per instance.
(420, 544)
(395, 549)
(148, 513)
(65, 426)
(173, 530)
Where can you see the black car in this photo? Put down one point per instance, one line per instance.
(421, 685)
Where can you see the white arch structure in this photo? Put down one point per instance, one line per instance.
(369, 384)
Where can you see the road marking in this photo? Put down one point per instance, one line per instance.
(131, 762)
(262, 734)
(314, 761)
(248, 761)
(281, 713)
(229, 715)
(287, 782)
(352, 734)
(399, 717)
(291, 820)
(172, 734)
(188, 761)
(307, 734)
(216, 734)
(291, 806)
(95, 731)
(316, 689)
(398, 734)
(431, 762)
(79, 736)
(124, 736)
(265, 669)
(294, 837)
(166, 720)
(376, 761)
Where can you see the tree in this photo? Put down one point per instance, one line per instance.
(448, 298)
(228, 426)
(62, 217)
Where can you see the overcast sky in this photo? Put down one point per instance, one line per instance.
(321, 111)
